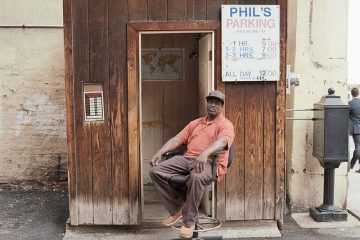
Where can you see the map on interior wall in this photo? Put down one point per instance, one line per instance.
(162, 64)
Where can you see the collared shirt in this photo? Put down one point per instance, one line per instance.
(200, 134)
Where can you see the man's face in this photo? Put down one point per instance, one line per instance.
(214, 107)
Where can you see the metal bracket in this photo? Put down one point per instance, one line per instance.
(292, 79)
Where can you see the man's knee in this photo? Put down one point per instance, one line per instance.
(199, 178)
(153, 172)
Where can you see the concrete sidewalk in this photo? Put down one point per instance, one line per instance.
(353, 203)
(253, 230)
(235, 230)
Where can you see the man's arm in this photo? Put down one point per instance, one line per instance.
(170, 145)
(215, 147)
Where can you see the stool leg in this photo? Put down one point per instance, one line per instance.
(197, 221)
(212, 199)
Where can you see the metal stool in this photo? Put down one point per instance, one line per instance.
(179, 182)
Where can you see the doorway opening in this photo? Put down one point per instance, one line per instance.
(176, 73)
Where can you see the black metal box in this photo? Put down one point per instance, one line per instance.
(330, 133)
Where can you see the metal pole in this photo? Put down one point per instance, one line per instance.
(329, 186)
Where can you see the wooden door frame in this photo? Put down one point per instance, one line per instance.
(133, 32)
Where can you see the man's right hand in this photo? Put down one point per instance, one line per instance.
(156, 159)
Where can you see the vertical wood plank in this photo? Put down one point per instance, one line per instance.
(174, 91)
(196, 10)
(100, 139)
(157, 10)
(149, 124)
(82, 130)
(235, 177)
(137, 10)
(232, 2)
(133, 124)
(213, 9)
(118, 109)
(269, 149)
(253, 151)
(159, 115)
(219, 85)
(177, 10)
(254, 2)
(280, 119)
(69, 91)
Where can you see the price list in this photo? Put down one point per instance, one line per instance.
(250, 43)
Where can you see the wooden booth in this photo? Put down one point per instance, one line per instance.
(121, 107)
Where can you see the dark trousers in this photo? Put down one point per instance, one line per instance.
(356, 153)
(195, 186)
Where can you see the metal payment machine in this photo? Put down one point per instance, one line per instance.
(330, 147)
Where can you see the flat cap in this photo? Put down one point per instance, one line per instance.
(216, 94)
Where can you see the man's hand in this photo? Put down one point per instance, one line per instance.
(200, 162)
(156, 159)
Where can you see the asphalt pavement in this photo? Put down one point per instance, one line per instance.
(33, 214)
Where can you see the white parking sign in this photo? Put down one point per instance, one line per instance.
(250, 42)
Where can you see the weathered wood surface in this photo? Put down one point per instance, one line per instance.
(196, 10)
(83, 156)
(133, 124)
(69, 89)
(118, 17)
(176, 110)
(213, 9)
(157, 10)
(100, 132)
(137, 10)
(177, 10)
(269, 99)
(253, 150)
(219, 85)
(99, 54)
(235, 112)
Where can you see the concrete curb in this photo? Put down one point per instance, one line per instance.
(260, 229)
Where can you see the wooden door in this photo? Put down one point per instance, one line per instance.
(133, 31)
(205, 70)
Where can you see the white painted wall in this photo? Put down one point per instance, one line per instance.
(353, 42)
(32, 97)
(317, 45)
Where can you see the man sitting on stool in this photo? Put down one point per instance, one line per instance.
(203, 137)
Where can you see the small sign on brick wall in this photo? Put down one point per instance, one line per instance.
(93, 102)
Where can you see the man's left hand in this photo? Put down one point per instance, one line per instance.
(200, 163)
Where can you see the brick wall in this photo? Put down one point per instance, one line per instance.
(32, 99)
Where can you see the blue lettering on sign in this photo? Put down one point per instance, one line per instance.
(230, 74)
(233, 11)
(250, 12)
(267, 12)
(244, 74)
(246, 55)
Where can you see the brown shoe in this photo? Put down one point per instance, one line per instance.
(171, 220)
(186, 232)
